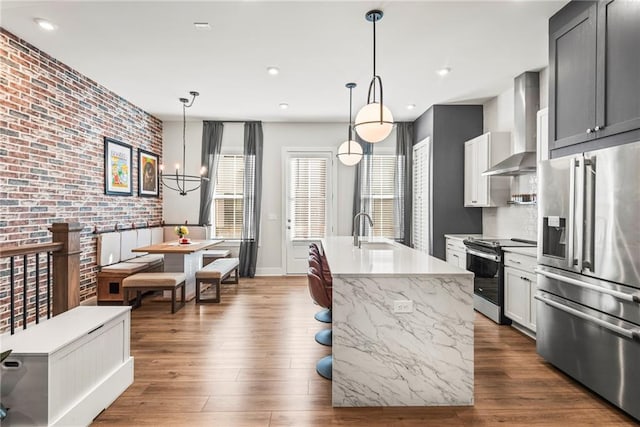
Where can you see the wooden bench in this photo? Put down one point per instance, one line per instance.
(214, 274)
(166, 281)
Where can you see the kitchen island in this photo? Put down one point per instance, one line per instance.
(402, 326)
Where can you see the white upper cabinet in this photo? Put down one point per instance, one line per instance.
(480, 153)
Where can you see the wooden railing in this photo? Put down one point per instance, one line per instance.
(62, 274)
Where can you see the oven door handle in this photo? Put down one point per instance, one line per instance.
(585, 285)
(628, 333)
(484, 255)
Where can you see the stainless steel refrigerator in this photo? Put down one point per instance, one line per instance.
(588, 298)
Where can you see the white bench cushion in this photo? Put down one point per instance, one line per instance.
(217, 253)
(157, 235)
(219, 268)
(153, 280)
(108, 248)
(196, 232)
(124, 268)
(148, 259)
(128, 241)
(143, 239)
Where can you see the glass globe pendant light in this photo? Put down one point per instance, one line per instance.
(374, 121)
(350, 151)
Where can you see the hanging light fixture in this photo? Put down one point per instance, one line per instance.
(181, 182)
(374, 121)
(350, 151)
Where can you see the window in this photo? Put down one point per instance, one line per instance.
(379, 195)
(227, 198)
(307, 197)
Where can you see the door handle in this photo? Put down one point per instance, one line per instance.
(479, 254)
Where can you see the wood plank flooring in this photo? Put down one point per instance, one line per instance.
(250, 361)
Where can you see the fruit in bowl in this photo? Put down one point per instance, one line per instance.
(184, 241)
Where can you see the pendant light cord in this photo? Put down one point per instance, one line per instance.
(374, 55)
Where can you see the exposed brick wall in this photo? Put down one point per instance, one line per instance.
(52, 127)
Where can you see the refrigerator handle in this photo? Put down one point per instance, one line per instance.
(635, 297)
(571, 261)
(589, 214)
(579, 212)
(628, 333)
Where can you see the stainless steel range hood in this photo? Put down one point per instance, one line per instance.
(526, 90)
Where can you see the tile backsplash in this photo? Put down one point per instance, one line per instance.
(520, 221)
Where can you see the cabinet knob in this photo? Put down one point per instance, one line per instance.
(597, 128)
(589, 130)
(474, 201)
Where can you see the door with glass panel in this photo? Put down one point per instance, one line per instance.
(309, 210)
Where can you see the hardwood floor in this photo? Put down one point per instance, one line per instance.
(250, 361)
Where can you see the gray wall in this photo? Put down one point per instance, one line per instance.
(449, 126)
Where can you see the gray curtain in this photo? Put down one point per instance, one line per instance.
(252, 198)
(403, 183)
(363, 172)
(211, 142)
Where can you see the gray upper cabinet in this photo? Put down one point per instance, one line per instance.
(594, 71)
(618, 72)
(572, 77)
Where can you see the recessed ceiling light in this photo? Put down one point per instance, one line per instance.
(274, 71)
(202, 25)
(443, 71)
(44, 24)
(411, 106)
(283, 106)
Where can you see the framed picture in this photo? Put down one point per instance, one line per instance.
(148, 182)
(117, 168)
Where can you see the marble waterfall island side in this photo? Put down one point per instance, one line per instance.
(402, 326)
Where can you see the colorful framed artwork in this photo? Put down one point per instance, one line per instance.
(117, 168)
(148, 180)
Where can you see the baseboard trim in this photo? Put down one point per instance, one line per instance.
(269, 271)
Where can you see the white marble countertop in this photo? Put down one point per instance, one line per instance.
(382, 257)
(461, 237)
(529, 251)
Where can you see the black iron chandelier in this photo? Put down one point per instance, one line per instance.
(181, 182)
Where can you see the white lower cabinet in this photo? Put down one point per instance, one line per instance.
(456, 253)
(519, 290)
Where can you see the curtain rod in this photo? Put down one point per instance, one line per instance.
(234, 121)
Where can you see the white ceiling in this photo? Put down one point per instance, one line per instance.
(149, 52)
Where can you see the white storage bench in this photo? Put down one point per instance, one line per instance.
(66, 370)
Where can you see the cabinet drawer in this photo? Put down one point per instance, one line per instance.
(456, 245)
(523, 262)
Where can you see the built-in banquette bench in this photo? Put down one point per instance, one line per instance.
(117, 261)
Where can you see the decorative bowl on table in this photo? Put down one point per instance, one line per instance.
(184, 241)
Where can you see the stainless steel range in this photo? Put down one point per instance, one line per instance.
(485, 260)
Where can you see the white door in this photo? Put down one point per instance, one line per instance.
(421, 199)
(309, 208)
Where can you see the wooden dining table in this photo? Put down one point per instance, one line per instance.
(182, 257)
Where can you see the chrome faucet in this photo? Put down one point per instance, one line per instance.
(356, 237)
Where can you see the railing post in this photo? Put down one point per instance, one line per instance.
(66, 266)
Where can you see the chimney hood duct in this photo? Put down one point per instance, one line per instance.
(526, 90)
